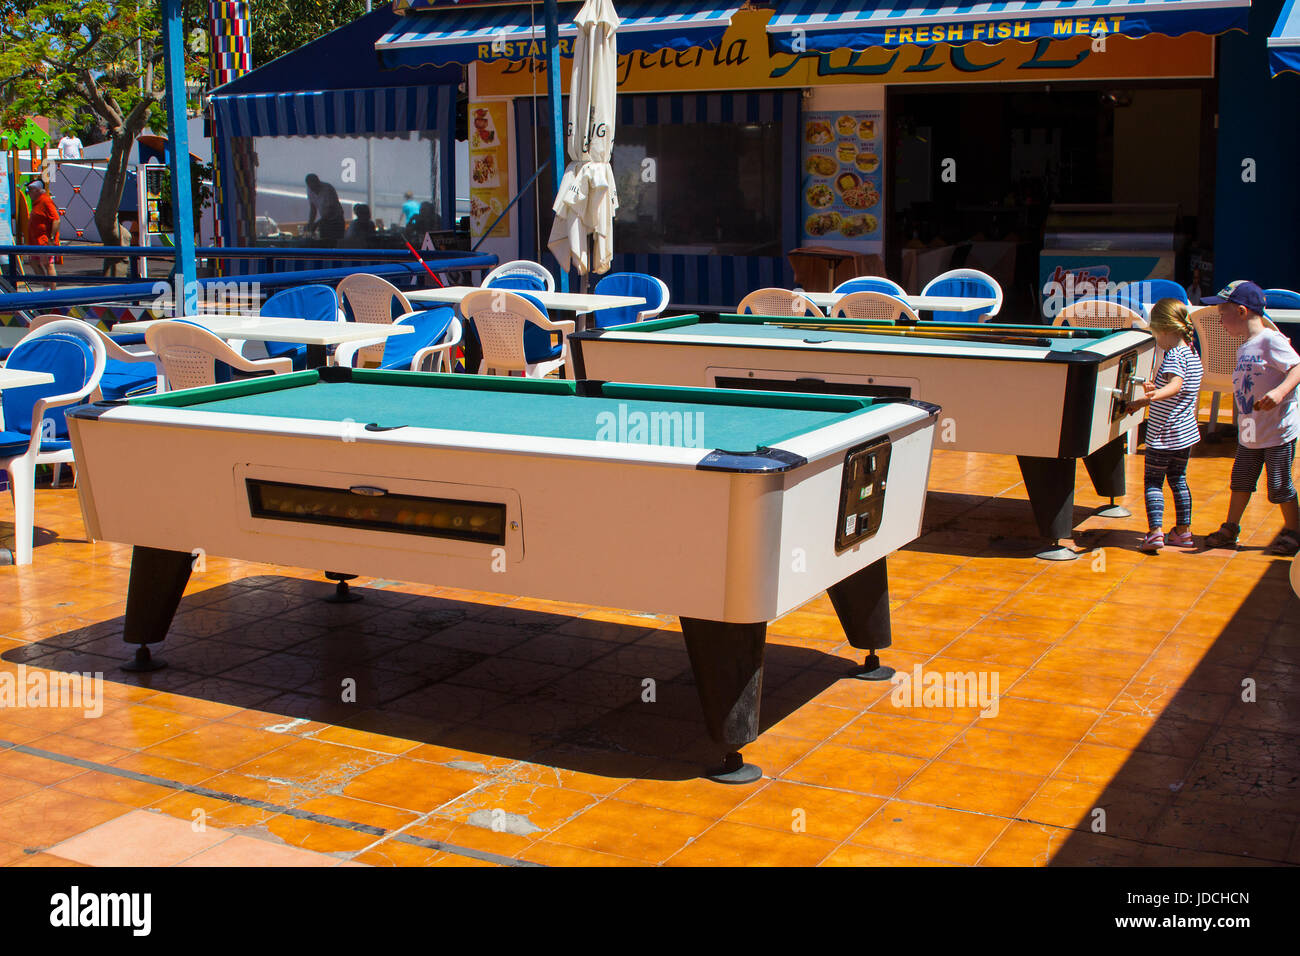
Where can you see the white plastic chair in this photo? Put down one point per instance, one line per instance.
(371, 300)
(188, 355)
(873, 305)
(21, 467)
(499, 317)
(778, 302)
(1100, 314)
(950, 283)
(1218, 358)
(347, 353)
(520, 267)
(112, 353)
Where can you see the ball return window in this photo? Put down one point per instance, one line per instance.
(375, 509)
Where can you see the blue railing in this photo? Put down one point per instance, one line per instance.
(393, 264)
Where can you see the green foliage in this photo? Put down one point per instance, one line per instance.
(283, 26)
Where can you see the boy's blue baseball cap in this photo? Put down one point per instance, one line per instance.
(1240, 292)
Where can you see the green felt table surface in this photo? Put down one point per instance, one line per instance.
(733, 421)
(753, 330)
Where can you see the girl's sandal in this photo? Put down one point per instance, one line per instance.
(1286, 544)
(1225, 537)
(1153, 542)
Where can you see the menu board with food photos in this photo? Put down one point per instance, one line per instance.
(843, 178)
(489, 182)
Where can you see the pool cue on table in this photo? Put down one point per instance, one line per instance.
(964, 329)
(911, 332)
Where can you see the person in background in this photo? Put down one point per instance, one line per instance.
(362, 228)
(409, 208)
(1268, 421)
(42, 228)
(424, 221)
(326, 218)
(70, 146)
(1171, 425)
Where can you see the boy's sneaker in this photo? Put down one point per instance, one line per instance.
(1225, 537)
(1153, 542)
(1180, 540)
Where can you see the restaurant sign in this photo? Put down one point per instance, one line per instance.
(794, 36)
(743, 60)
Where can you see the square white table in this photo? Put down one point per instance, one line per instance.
(260, 328)
(579, 303)
(21, 378)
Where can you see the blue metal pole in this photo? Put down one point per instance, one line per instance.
(553, 97)
(184, 270)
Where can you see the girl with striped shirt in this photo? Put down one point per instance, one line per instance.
(1171, 425)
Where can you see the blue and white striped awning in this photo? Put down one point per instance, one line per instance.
(518, 32)
(388, 110)
(824, 25)
(1284, 41)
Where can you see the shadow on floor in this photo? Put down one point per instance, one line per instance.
(1216, 779)
(521, 684)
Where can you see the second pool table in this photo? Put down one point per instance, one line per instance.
(1047, 396)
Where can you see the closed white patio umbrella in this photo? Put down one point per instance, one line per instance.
(587, 197)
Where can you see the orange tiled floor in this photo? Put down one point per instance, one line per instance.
(492, 730)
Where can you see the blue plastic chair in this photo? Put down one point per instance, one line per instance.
(36, 428)
(1281, 299)
(436, 331)
(653, 290)
(126, 374)
(965, 283)
(319, 303)
(502, 275)
(870, 284)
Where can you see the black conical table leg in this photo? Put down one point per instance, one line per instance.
(1106, 469)
(1050, 484)
(727, 662)
(862, 603)
(153, 593)
(342, 593)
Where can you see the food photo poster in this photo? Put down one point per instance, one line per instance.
(843, 177)
(489, 180)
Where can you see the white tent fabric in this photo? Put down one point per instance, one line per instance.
(587, 198)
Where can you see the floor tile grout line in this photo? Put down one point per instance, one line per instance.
(255, 803)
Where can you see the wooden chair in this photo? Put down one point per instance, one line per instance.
(370, 299)
(189, 355)
(873, 305)
(499, 318)
(777, 302)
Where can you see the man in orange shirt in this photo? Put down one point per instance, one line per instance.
(42, 228)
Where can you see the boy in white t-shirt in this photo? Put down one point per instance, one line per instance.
(1268, 416)
(70, 146)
